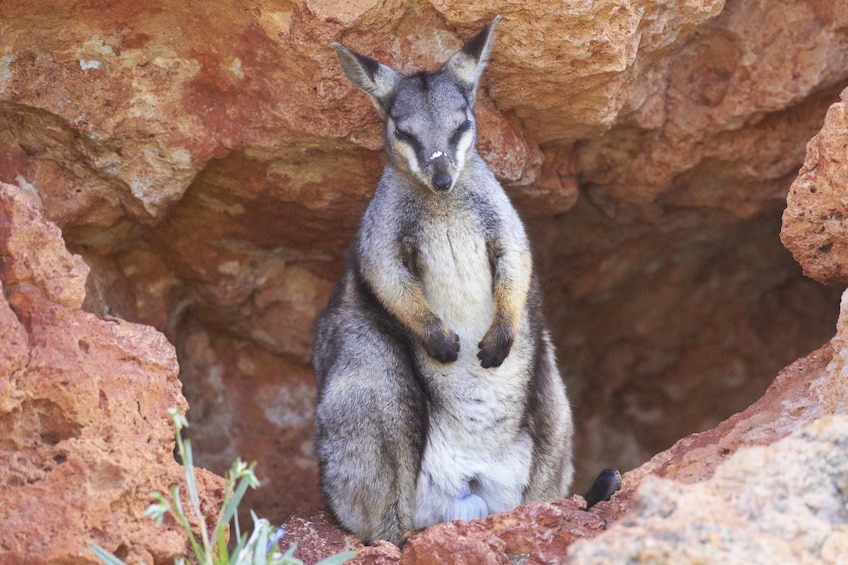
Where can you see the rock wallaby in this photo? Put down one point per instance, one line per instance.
(438, 393)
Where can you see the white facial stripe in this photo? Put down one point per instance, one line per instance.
(436, 155)
(408, 154)
(462, 148)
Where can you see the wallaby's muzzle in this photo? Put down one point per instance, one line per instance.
(441, 173)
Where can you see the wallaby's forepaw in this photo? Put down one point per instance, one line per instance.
(442, 343)
(495, 345)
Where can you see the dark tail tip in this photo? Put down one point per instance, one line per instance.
(605, 485)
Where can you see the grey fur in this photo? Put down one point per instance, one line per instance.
(438, 392)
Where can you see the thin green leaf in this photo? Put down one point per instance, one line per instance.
(236, 525)
(187, 456)
(188, 463)
(157, 511)
(183, 521)
(261, 547)
(105, 556)
(177, 511)
(228, 494)
(338, 558)
(260, 555)
(238, 549)
(232, 504)
(224, 555)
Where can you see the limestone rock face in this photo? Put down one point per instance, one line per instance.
(211, 162)
(83, 410)
(535, 533)
(782, 503)
(814, 223)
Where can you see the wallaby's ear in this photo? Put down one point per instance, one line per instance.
(467, 65)
(376, 79)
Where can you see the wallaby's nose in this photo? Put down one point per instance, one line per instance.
(442, 181)
(440, 170)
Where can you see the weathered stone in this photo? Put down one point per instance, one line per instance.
(83, 411)
(807, 391)
(804, 391)
(782, 503)
(570, 72)
(734, 89)
(275, 414)
(34, 255)
(317, 538)
(535, 533)
(814, 223)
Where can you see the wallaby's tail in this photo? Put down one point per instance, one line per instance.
(605, 485)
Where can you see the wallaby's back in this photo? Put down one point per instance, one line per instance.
(439, 396)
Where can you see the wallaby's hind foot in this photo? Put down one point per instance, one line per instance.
(607, 483)
(468, 507)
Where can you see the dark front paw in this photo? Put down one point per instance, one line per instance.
(495, 345)
(442, 343)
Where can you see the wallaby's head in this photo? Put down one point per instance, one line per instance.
(429, 116)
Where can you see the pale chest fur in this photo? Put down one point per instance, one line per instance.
(457, 284)
(457, 277)
(474, 442)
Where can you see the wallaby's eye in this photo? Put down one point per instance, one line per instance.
(464, 127)
(403, 135)
(406, 137)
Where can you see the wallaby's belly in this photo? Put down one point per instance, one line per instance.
(474, 445)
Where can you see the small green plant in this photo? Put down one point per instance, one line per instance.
(260, 547)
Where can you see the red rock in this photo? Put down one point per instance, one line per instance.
(778, 503)
(535, 533)
(814, 223)
(86, 436)
(803, 392)
(318, 538)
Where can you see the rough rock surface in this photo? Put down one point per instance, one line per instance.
(84, 433)
(535, 533)
(210, 163)
(815, 223)
(782, 503)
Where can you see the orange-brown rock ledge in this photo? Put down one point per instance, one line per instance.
(84, 432)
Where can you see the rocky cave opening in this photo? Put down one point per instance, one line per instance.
(213, 188)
